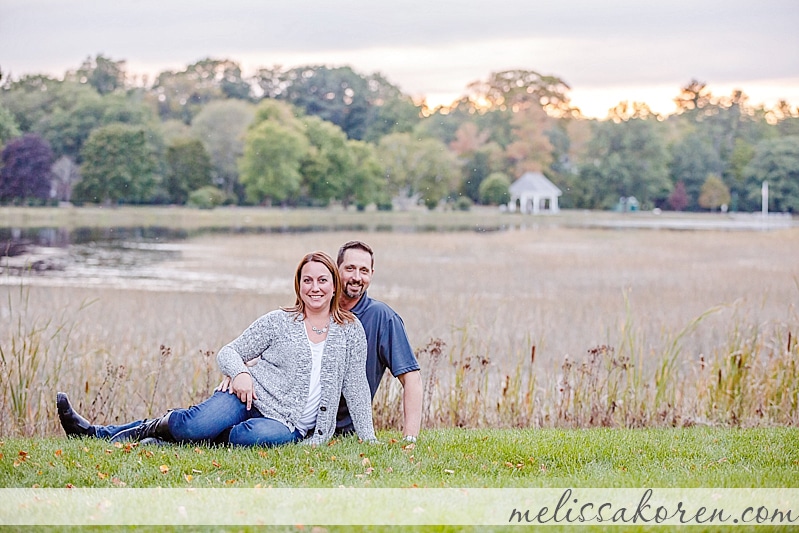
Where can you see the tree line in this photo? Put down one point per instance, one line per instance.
(312, 135)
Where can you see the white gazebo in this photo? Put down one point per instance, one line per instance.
(534, 193)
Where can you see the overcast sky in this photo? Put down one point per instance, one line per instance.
(606, 51)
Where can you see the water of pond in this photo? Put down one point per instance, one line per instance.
(136, 257)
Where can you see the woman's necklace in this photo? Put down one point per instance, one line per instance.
(319, 331)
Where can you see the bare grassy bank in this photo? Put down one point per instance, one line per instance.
(545, 326)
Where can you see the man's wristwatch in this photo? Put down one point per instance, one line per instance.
(409, 438)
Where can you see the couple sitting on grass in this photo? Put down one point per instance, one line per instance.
(298, 373)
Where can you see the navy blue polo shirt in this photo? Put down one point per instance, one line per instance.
(387, 346)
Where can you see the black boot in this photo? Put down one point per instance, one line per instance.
(157, 428)
(74, 425)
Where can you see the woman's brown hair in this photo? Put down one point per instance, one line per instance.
(340, 316)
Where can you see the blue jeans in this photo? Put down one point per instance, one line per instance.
(215, 416)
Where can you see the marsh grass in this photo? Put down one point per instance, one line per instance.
(544, 327)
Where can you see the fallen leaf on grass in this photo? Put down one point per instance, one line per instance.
(198, 450)
(164, 469)
(448, 471)
(215, 464)
(366, 461)
(196, 471)
(23, 456)
(188, 477)
(69, 486)
(102, 475)
(116, 481)
(59, 453)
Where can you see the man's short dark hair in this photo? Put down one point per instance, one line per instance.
(354, 245)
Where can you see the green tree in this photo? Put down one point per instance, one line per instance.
(517, 89)
(270, 167)
(363, 181)
(714, 193)
(181, 95)
(33, 97)
(495, 189)
(777, 162)
(8, 126)
(625, 159)
(118, 166)
(692, 159)
(364, 107)
(328, 163)
(188, 169)
(414, 169)
(101, 73)
(221, 126)
(67, 128)
(275, 147)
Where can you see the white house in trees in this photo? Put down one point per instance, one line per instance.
(534, 193)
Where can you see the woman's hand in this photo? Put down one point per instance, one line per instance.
(242, 387)
(224, 385)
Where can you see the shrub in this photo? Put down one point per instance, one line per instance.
(206, 197)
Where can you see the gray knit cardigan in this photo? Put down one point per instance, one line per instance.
(282, 376)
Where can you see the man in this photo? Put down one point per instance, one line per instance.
(387, 347)
(387, 342)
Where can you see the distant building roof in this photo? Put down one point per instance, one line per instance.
(534, 182)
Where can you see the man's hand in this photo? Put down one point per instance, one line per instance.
(224, 385)
(242, 387)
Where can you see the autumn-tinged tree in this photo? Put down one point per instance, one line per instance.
(532, 150)
(25, 169)
(714, 193)
(693, 97)
(678, 199)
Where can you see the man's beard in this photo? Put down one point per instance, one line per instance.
(355, 291)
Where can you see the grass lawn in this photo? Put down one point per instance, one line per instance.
(446, 458)
(692, 457)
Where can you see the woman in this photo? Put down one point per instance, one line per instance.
(308, 356)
